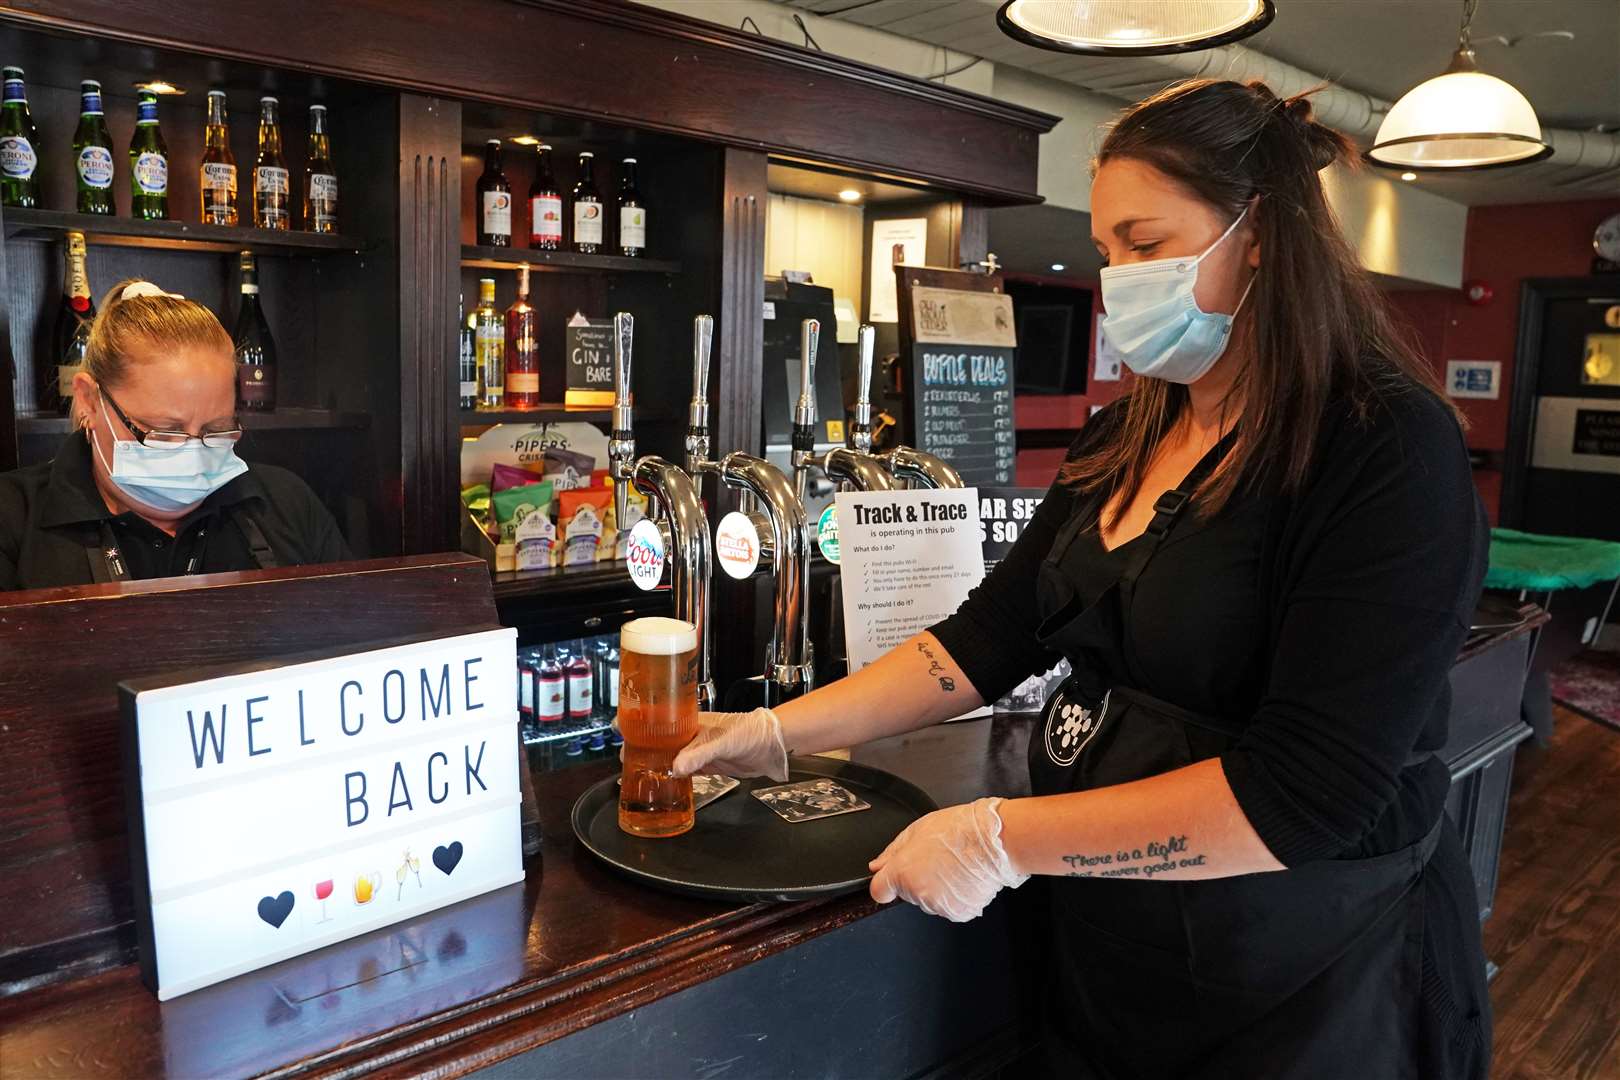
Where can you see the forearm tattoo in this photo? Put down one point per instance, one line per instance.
(1158, 857)
(936, 669)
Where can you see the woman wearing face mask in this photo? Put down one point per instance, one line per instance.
(150, 485)
(1261, 564)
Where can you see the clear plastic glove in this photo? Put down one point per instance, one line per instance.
(736, 744)
(949, 863)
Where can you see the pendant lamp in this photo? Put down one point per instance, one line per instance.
(1460, 119)
(1132, 27)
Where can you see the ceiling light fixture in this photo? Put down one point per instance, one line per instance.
(1130, 27)
(158, 86)
(1408, 176)
(1460, 119)
(1058, 267)
(850, 195)
(524, 140)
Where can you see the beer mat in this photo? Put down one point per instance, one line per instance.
(707, 787)
(810, 800)
(739, 849)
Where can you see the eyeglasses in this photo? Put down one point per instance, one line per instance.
(171, 440)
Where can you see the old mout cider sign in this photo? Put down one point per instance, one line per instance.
(280, 808)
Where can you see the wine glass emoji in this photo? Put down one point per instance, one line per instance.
(323, 889)
(409, 864)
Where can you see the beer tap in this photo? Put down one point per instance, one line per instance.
(850, 466)
(780, 527)
(804, 413)
(909, 463)
(674, 505)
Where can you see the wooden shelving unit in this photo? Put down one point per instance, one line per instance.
(173, 235)
(563, 581)
(498, 258)
(283, 419)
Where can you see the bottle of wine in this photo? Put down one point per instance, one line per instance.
(255, 348)
(92, 153)
(53, 387)
(545, 206)
(587, 208)
(148, 163)
(581, 704)
(632, 214)
(217, 174)
(490, 341)
(494, 200)
(522, 356)
(551, 689)
(467, 360)
(320, 184)
(19, 145)
(271, 186)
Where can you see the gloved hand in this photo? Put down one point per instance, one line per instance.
(948, 863)
(736, 744)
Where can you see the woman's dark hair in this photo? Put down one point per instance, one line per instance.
(1316, 326)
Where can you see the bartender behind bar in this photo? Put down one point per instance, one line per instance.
(1261, 565)
(149, 485)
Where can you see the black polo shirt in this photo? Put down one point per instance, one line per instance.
(52, 518)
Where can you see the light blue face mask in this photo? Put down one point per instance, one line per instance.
(1155, 324)
(168, 481)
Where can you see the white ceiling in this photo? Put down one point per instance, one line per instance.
(1380, 47)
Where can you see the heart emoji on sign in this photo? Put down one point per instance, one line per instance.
(275, 909)
(447, 858)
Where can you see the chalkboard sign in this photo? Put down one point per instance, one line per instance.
(588, 346)
(960, 341)
(963, 402)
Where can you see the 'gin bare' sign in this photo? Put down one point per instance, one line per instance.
(281, 807)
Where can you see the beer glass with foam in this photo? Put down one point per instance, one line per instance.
(658, 714)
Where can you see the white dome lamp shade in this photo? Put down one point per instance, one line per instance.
(1131, 27)
(1460, 119)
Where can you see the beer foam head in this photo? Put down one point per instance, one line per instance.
(656, 636)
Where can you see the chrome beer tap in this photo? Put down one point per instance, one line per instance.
(850, 466)
(909, 463)
(675, 505)
(780, 527)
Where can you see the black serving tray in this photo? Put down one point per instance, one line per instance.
(739, 849)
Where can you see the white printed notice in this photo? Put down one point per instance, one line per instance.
(282, 809)
(908, 560)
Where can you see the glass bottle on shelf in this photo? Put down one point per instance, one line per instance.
(522, 354)
(272, 187)
(551, 689)
(92, 153)
(525, 697)
(632, 214)
(467, 359)
(217, 173)
(494, 200)
(148, 163)
(53, 388)
(320, 179)
(19, 145)
(255, 348)
(545, 205)
(581, 703)
(489, 339)
(587, 208)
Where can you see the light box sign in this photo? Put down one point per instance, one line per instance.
(279, 808)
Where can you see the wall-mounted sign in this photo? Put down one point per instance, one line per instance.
(897, 242)
(281, 808)
(1004, 513)
(1474, 379)
(588, 346)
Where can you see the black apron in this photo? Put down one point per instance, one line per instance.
(1314, 971)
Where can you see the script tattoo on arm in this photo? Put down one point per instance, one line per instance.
(936, 669)
(1156, 857)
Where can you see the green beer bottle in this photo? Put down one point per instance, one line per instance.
(92, 153)
(148, 164)
(19, 142)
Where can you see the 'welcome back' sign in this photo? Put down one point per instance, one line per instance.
(280, 809)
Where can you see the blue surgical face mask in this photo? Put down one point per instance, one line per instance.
(1155, 324)
(168, 481)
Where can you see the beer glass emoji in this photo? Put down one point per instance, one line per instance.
(323, 889)
(365, 887)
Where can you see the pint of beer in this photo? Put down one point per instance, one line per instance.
(658, 714)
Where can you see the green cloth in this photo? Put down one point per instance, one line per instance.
(1521, 560)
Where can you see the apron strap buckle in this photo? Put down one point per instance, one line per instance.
(1165, 511)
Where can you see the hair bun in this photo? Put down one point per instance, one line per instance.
(1324, 145)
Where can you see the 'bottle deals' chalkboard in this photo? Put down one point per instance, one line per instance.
(962, 357)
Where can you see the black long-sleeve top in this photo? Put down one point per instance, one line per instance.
(1323, 624)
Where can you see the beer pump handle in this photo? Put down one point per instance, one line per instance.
(804, 414)
(860, 432)
(698, 411)
(622, 447)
